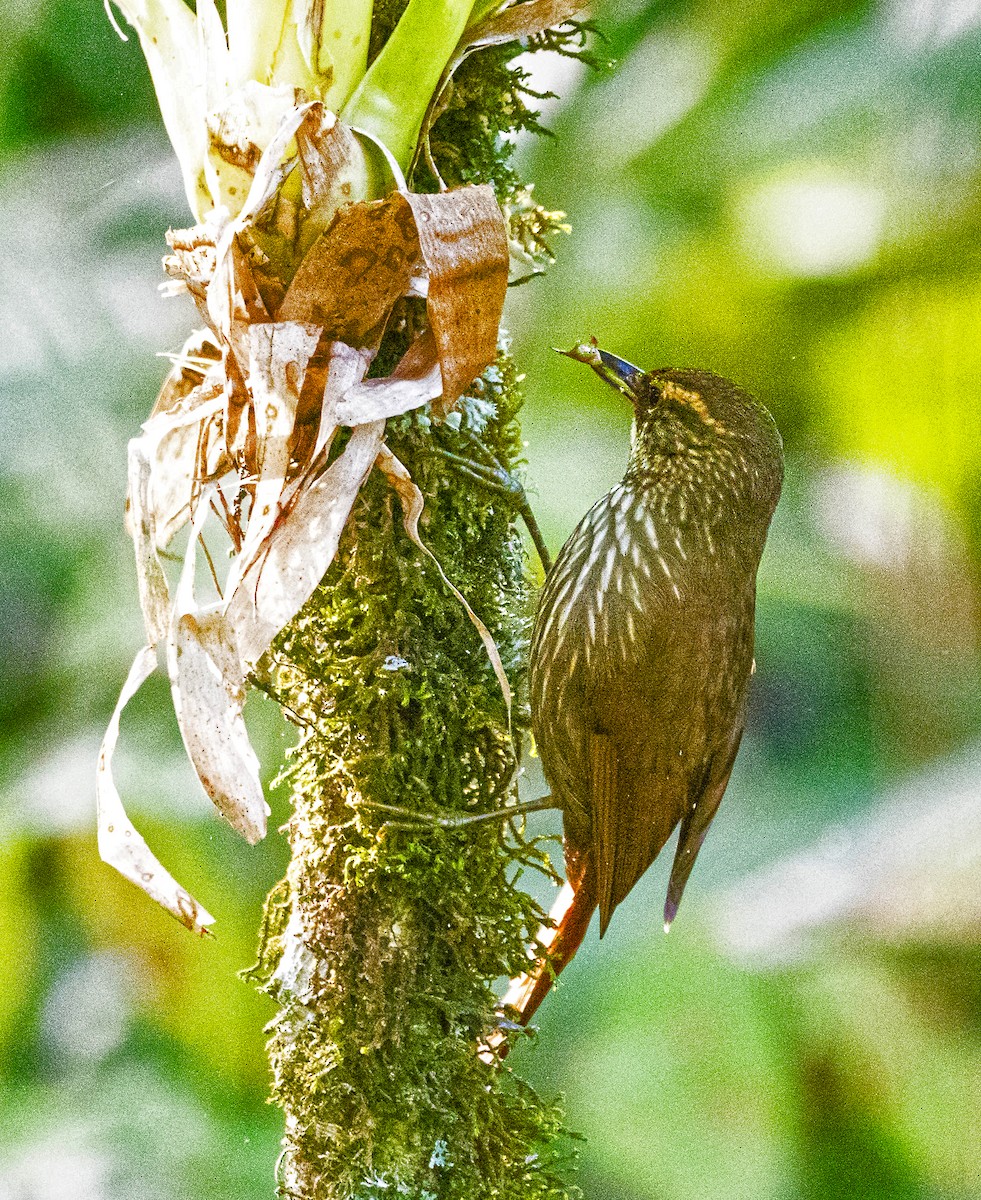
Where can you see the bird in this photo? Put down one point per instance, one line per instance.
(642, 646)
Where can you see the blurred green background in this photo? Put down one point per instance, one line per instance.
(788, 194)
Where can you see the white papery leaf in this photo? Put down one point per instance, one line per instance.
(119, 843)
(183, 444)
(301, 548)
(208, 688)
(209, 696)
(415, 381)
(346, 369)
(241, 124)
(169, 37)
(151, 581)
(278, 358)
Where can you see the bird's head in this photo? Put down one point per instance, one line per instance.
(679, 409)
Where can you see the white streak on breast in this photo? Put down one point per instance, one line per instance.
(604, 583)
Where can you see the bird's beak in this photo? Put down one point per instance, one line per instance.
(617, 372)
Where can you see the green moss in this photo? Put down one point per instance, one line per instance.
(407, 932)
(386, 946)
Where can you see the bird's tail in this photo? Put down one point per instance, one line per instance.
(559, 941)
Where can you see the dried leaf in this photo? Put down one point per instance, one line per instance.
(209, 696)
(516, 22)
(356, 270)
(199, 354)
(278, 357)
(234, 302)
(413, 503)
(192, 264)
(416, 380)
(187, 448)
(151, 581)
(464, 246)
(208, 688)
(345, 371)
(274, 165)
(232, 296)
(333, 165)
(301, 547)
(119, 843)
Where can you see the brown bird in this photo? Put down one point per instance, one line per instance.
(642, 649)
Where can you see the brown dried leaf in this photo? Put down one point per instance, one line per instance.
(199, 355)
(465, 248)
(413, 503)
(239, 417)
(208, 688)
(300, 548)
(192, 264)
(234, 302)
(119, 843)
(416, 380)
(355, 271)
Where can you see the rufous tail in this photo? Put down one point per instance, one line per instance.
(559, 940)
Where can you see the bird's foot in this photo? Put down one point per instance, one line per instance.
(413, 820)
(494, 1048)
(485, 469)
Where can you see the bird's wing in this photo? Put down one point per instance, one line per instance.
(695, 825)
(670, 717)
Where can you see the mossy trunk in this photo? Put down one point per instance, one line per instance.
(391, 940)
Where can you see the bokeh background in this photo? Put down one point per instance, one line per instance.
(786, 193)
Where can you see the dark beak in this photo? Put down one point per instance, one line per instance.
(617, 372)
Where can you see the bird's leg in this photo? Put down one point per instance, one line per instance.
(420, 820)
(485, 469)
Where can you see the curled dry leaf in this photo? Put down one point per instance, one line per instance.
(345, 370)
(239, 130)
(119, 843)
(397, 474)
(416, 380)
(465, 249)
(355, 271)
(333, 169)
(278, 358)
(208, 687)
(302, 547)
(187, 447)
